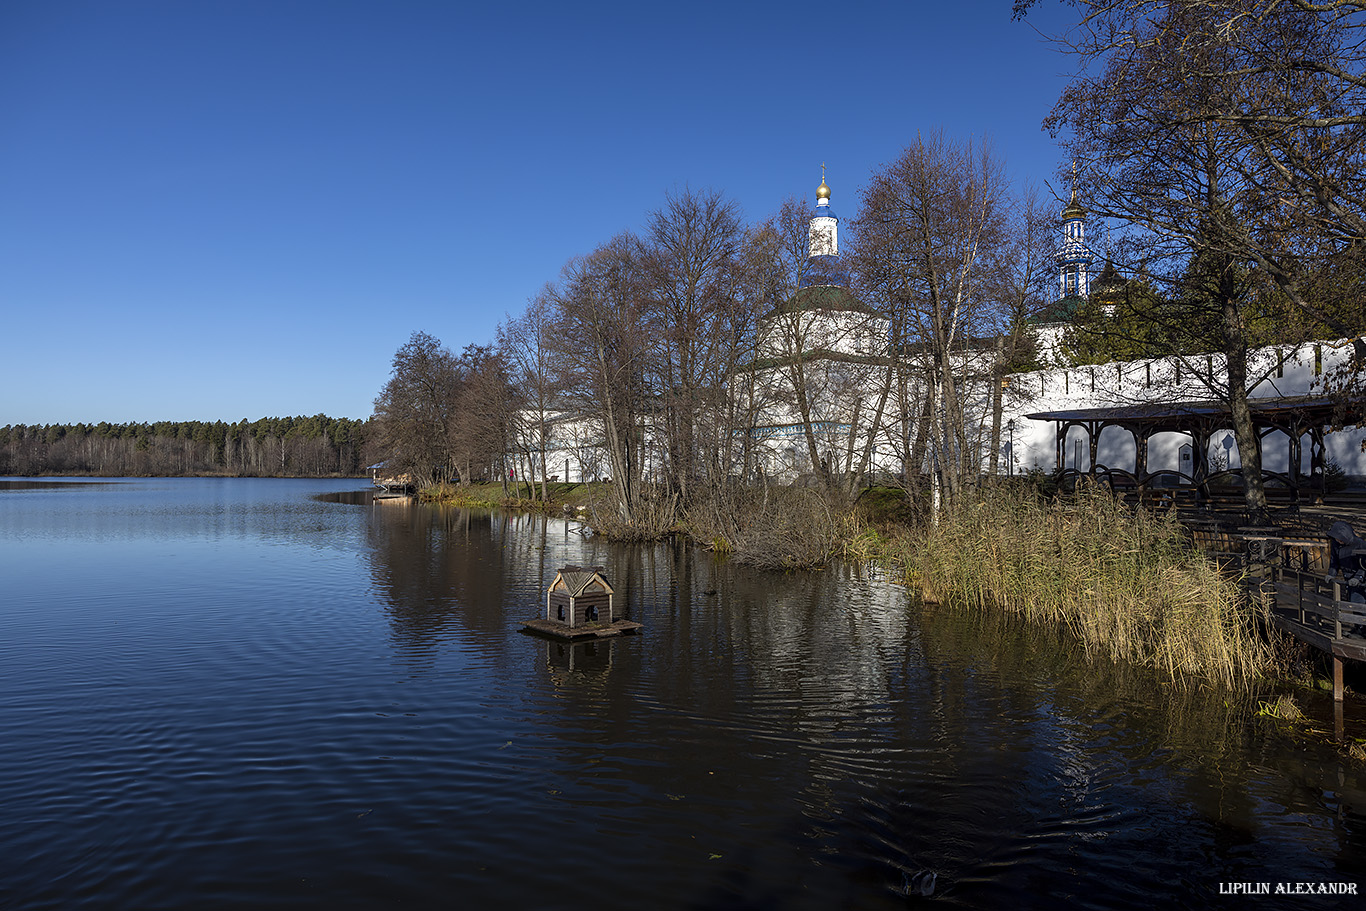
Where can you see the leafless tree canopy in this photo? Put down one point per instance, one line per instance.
(1228, 136)
(1275, 89)
(440, 417)
(933, 224)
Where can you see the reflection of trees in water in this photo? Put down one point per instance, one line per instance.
(439, 571)
(1025, 747)
(582, 666)
(444, 571)
(894, 738)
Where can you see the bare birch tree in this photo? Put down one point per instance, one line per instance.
(527, 345)
(929, 224)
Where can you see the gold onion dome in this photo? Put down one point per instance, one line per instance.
(1074, 209)
(822, 192)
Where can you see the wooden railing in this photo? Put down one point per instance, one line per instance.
(1309, 593)
(1313, 608)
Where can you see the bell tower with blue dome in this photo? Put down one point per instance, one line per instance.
(1074, 259)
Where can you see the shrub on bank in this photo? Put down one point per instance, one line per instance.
(773, 527)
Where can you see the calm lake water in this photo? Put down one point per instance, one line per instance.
(270, 693)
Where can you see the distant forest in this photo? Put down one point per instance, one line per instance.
(317, 446)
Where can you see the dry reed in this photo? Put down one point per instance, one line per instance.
(1125, 582)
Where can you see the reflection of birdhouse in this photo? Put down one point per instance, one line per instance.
(592, 657)
(580, 595)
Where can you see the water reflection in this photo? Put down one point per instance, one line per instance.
(17, 484)
(577, 664)
(837, 743)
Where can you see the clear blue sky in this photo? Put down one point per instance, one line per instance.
(225, 210)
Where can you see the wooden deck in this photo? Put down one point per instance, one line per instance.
(1286, 565)
(1310, 607)
(558, 630)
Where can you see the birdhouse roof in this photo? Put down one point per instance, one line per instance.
(577, 579)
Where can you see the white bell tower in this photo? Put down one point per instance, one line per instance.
(823, 235)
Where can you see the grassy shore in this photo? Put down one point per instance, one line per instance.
(488, 496)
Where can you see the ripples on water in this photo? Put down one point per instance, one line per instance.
(233, 693)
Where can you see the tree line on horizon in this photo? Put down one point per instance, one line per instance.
(1219, 143)
(313, 446)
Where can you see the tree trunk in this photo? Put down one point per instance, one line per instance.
(1244, 431)
(997, 389)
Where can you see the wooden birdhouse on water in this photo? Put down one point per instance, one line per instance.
(580, 595)
(580, 603)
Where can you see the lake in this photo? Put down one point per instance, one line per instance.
(228, 693)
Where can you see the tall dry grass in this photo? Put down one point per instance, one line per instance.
(1125, 582)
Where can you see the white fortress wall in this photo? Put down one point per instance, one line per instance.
(1281, 371)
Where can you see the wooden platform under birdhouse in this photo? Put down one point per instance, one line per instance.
(561, 630)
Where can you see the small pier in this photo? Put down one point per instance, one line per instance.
(1287, 568)
(390, 486)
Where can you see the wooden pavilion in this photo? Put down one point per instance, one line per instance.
(1295, 416)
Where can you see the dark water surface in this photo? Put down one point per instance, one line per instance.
(234, 693)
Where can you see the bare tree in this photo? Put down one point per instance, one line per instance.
(1163, 135)
(1284, 84)
(600, 340)
(691, 262)
(479, 434)
(413, 412)
(526, 343)
(930, 223)
(1019, 273)
(822, 357)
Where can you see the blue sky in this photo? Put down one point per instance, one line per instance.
(225, 210)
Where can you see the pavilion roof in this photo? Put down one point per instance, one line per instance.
(1302, 409)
